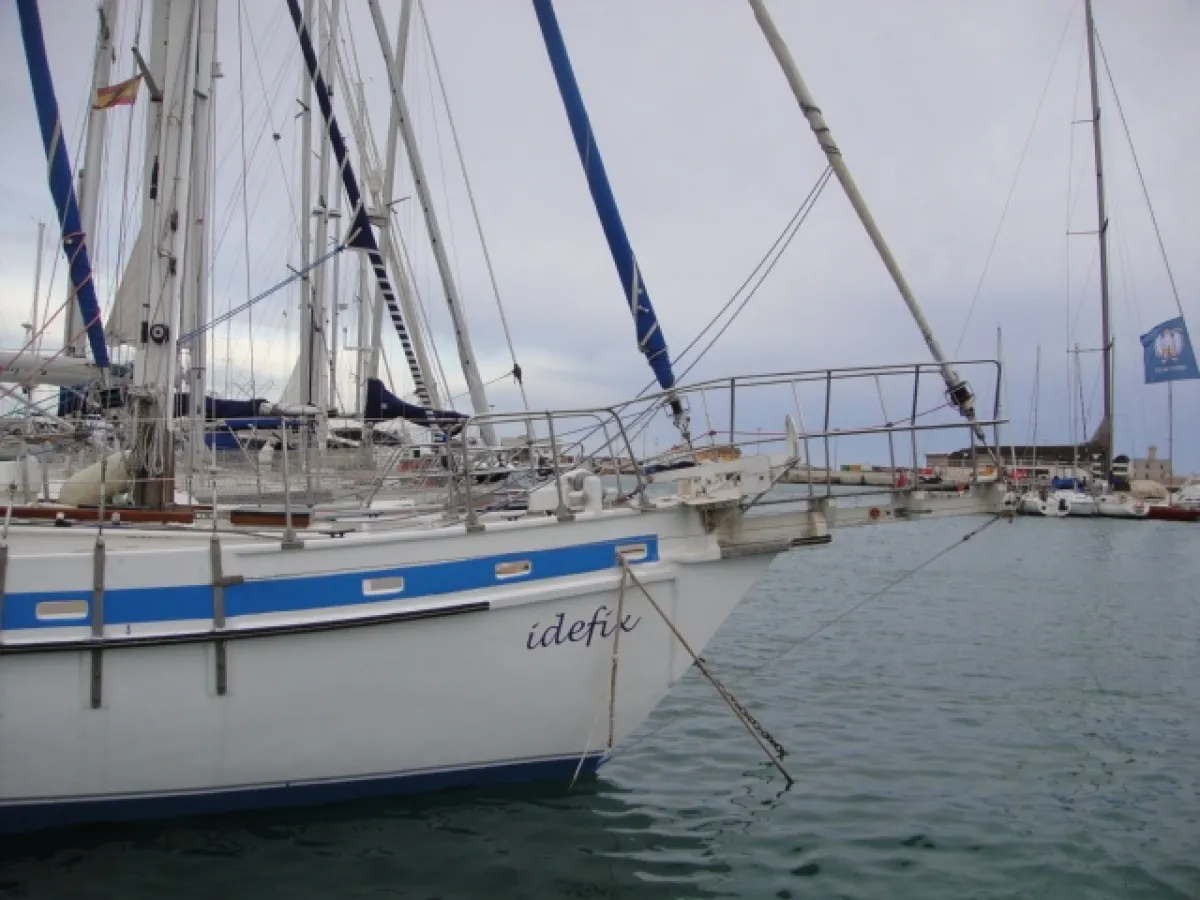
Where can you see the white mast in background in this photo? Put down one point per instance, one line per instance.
(307, 318)
(320, 345)
(196, 265)
(166, 222)
(466, 354)
(1106, 348)
(74, 341)
(388, 244)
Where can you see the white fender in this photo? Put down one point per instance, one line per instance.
(84, 488)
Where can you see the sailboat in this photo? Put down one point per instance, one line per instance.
(198, 665)
(1111, 502)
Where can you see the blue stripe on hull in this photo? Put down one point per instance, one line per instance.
(57, 814)
(127, 606)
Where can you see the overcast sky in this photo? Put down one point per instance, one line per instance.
(930, 100)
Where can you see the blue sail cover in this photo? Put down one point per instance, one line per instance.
(261, 423)
(84, 399)
(361, 236)
(61, 185)
(649, 335)
(225, 435)
(220, 408)
(382, 405)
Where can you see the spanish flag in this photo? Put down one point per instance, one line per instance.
(122, 94)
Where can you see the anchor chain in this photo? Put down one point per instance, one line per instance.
(746, 717)
(744, 714)
(771, 747)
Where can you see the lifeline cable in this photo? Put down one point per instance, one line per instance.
(838, 618)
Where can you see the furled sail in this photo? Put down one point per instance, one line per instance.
(382, 406)
(220, 408)
(294, 393)
(61, 184)
(650, 339)
(84, 398)
(125, 319)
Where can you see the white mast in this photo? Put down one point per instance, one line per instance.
(1106, 427)
(1037, 391)
(360, 345)
(400, 107)
(74, 342)
(307, 317)
(166, 212)
(320, 343)
(959, 391)
(34, 314)
(389, 180)
(333, 310)
(32, 339)
(363, 333)
(387, 246)
(1005, 399)
(195, 296)
(363, 318)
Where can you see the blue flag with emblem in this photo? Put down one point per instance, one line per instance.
(1168, 353)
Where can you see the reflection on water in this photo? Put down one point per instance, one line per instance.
(521, 841)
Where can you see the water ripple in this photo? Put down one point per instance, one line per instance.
(1019, 720)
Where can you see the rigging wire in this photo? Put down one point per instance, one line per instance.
(1129, 296)
(1087, 278)
(1069, 213)
(445, 182)
(123, 222)
(1016, 177)
(208, 375)
(1141, 177)
(791, 227)
(487, 257)
(761, 272)
(245, 199)
(422, 306)
(267, 103)
(778, 655)
(762, 269)
(403, 258)
(495, 380)
(349, 71)
(227, 217)
(802, 216)
(295, 275)
(57, 238)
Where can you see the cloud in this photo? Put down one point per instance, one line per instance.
(931, 102)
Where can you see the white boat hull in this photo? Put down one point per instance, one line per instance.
(351, 695)
(1121, 507)
(1083, 505)
(1033, 505)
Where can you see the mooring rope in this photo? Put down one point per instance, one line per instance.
(874, 596)
(775, 751)
(812, 634)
